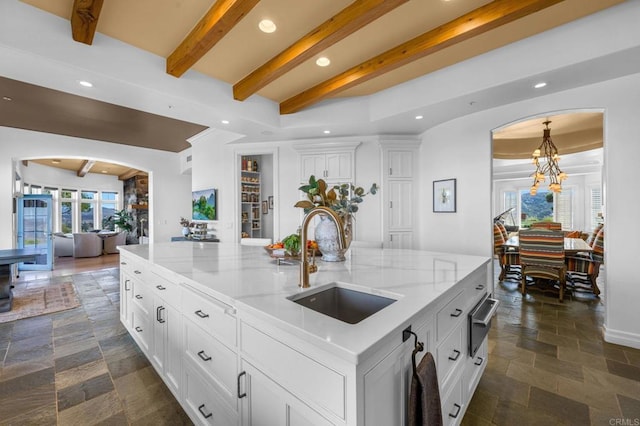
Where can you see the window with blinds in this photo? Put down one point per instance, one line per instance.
(564, 208)
(595, 206)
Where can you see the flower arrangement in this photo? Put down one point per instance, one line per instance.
(343, 198)
(186, 223)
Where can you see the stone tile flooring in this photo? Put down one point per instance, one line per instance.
(80, 367)
(548, 365)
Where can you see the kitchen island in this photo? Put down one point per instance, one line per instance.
(218, 324)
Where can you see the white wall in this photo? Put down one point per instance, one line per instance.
(461, 149)
(170, 192)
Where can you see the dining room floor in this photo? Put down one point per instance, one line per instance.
(548, 363)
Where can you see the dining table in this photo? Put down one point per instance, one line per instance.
(571, 245)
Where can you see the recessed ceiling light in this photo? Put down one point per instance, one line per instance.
(419, 117)
(267, 26)
(323, 61)
(104, 171)
(540, 85)
(85, 83)
(7, 98)
(55, 161)
(225, 121)
(326, 132)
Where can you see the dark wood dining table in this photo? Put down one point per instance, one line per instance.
(571, 245)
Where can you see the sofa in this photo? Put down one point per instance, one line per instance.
(87, 244)
(62, 244)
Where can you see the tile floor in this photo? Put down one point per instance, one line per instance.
(80, 367)
(548, 364)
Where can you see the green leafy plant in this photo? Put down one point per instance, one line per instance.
(343, 199)
(292, 244)
(122, 219)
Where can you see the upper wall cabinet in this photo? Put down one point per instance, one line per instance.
(332, 161)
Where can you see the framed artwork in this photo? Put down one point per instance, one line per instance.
(271, 202)
(204, 205)
(444, 196)
(265, 207)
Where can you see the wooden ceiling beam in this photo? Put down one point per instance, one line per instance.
(85, 168)
(474, 23)
(215, 24)
(346, 22)
(129, 174)
(84, 20)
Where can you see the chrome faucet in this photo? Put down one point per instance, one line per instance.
(305, 267)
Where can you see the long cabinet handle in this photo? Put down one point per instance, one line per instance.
(201, 314)
(209, 414)
(456, 355)
(203, 356)
(243, 394)
(458, 407)
(159, 310)
(126, 288)
(457, 313)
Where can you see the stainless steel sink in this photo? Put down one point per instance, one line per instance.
(342, 303)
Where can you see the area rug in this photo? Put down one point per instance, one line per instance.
(31, 302)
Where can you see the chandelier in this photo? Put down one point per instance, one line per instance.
(546, 158)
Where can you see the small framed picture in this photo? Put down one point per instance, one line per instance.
(271, 202)
(444, 196)
(265, 207)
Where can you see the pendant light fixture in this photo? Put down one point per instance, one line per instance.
(546, 158)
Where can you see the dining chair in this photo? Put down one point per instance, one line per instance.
(542, 259)
(553, 226)
(585, 269)
(509, 260)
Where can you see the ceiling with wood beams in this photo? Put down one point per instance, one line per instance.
(372, 44)
(81, 167)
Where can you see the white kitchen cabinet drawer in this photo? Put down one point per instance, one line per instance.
(302, 376)
(167, 290)
(141, 328)
(451, 355)
(474, 368)
(214, 359)
(133, 267)
(142, 295)
(475, 287)
(450, 315)
(213, 316)
(452, 405)
(203, 404)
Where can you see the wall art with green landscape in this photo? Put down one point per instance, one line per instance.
(204, 205)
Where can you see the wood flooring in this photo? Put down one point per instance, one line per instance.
(548, 362)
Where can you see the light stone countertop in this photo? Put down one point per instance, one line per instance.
(246, 278)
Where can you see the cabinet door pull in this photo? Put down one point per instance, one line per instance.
(480, 287)
(159, 287)
(453, 416)
(201, 314)
(123, 263)
(139, 297)
(207, 415)
(137, 272)
(139, 329)
(243, 394)
(390, 171)
(159, 310)
(455, 356)
(479, 361)
(203, 356)
(126, 282)
(457, 313)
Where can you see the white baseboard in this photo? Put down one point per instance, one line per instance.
(621, 337)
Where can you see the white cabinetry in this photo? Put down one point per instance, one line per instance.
(399, 192)
(332, 161)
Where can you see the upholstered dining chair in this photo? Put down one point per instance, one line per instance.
(509, 260)
(586, 268)
(542, 258)
(553, 226)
